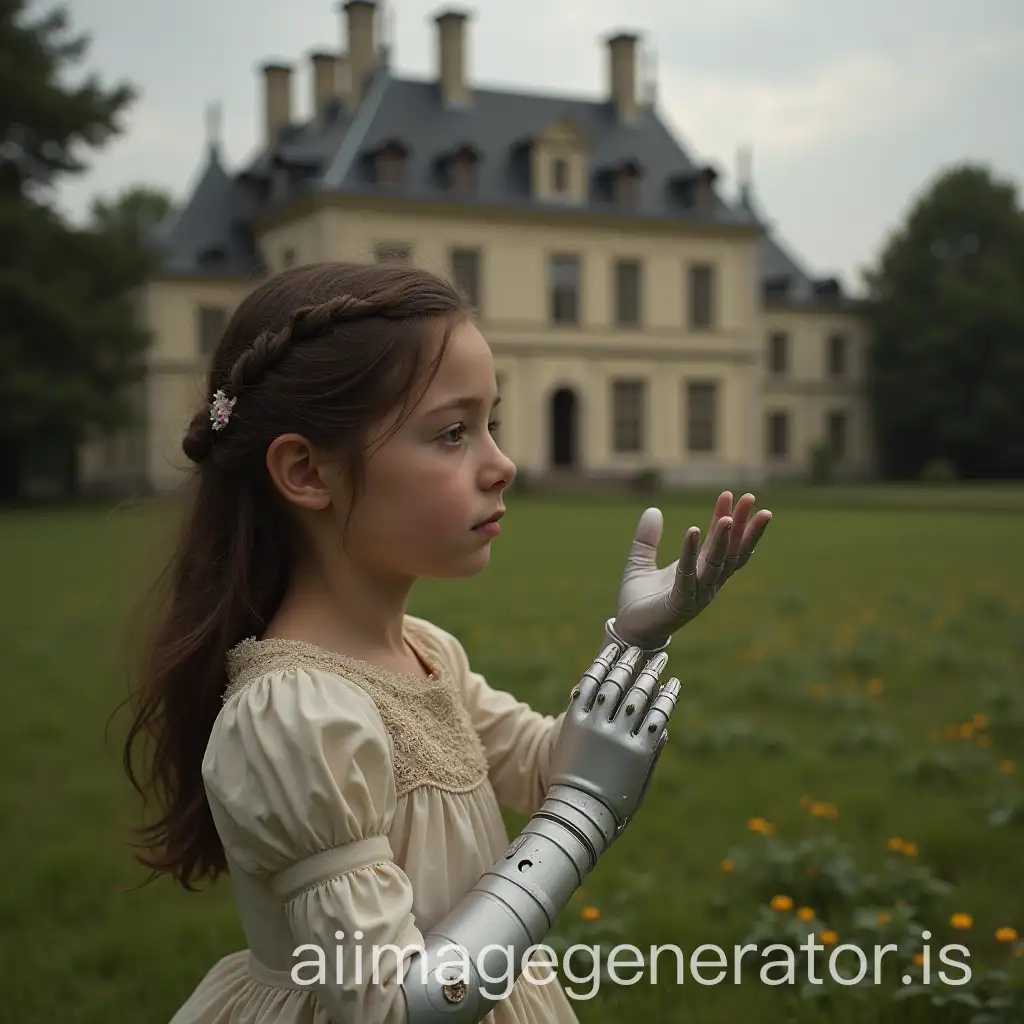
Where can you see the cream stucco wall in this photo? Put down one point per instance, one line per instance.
(535, 358)
(808, 393)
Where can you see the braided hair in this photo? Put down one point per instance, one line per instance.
(254, 362)
(327, 351)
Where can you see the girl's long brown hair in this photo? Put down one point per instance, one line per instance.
(327, 351)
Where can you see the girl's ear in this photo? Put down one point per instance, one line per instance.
(298, 475)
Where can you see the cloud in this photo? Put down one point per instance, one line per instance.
(856, 96)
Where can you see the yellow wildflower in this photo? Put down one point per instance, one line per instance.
(919, 959)
(781, 903)
(980, 721)
(829, 937)
(875, 686)
(1007, 767)
(590, 913)
(967, 730)
(761, 826)
(1006, 934)
(884, 917)
(910, 849)
(895, 844)
(805, 914)
(823, 810)
(961, 921)
(727, 865)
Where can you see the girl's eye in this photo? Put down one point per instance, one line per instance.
(459, 429)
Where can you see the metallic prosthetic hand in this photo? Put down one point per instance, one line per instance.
(654, 603)
(611, 738)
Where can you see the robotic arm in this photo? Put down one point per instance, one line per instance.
(611, 738)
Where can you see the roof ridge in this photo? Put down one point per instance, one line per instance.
(340, 164)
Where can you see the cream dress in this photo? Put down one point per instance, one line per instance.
(351, 799)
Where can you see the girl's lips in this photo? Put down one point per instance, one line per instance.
(490, 520)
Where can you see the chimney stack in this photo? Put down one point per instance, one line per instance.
(623, 75)
(325, 83)
(277, 100)
(360, 21)
(451, 49)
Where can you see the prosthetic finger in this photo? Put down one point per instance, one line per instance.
(634, 704)
(617, 681)
(684, 592)
(585, 691)
(707, 581)
(661, 709)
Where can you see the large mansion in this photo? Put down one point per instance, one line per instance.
(641, 321)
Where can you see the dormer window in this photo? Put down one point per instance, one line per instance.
(704, 190)
(626, 185)
(559, 176)
(777, 287)
(212, 256)
(457, 169)
(827, 288)
(390, 164)
(280, 180)
(618, 183)
(462, 172)
(696, 189)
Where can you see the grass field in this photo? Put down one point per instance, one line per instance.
(862, 681)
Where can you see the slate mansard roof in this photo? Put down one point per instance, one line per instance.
(211, 236)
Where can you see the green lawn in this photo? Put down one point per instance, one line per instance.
(820, 694)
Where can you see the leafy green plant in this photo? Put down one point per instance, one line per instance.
(864, 738)
(947, 768)
(991, 996)
(821, 872)
(1004, 810)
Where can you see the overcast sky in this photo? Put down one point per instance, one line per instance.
(850, 107)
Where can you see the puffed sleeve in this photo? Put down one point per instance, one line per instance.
(299, 774)
(517, 740)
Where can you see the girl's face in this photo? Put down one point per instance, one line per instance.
(440, 475)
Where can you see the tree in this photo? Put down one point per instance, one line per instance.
(946, 361)
(131, 223)
(137, 213)
(69, 343)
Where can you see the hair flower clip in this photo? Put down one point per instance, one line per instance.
(220, 410)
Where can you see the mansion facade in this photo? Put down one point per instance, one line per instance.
(640, 321)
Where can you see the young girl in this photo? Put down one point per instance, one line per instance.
(336, 756)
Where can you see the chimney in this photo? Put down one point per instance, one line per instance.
(326, 86)
(344, 72)
(451, 48)
(277, 100)
(360, 21)
(622, 74)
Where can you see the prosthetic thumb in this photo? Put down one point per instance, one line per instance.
(643, 553)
